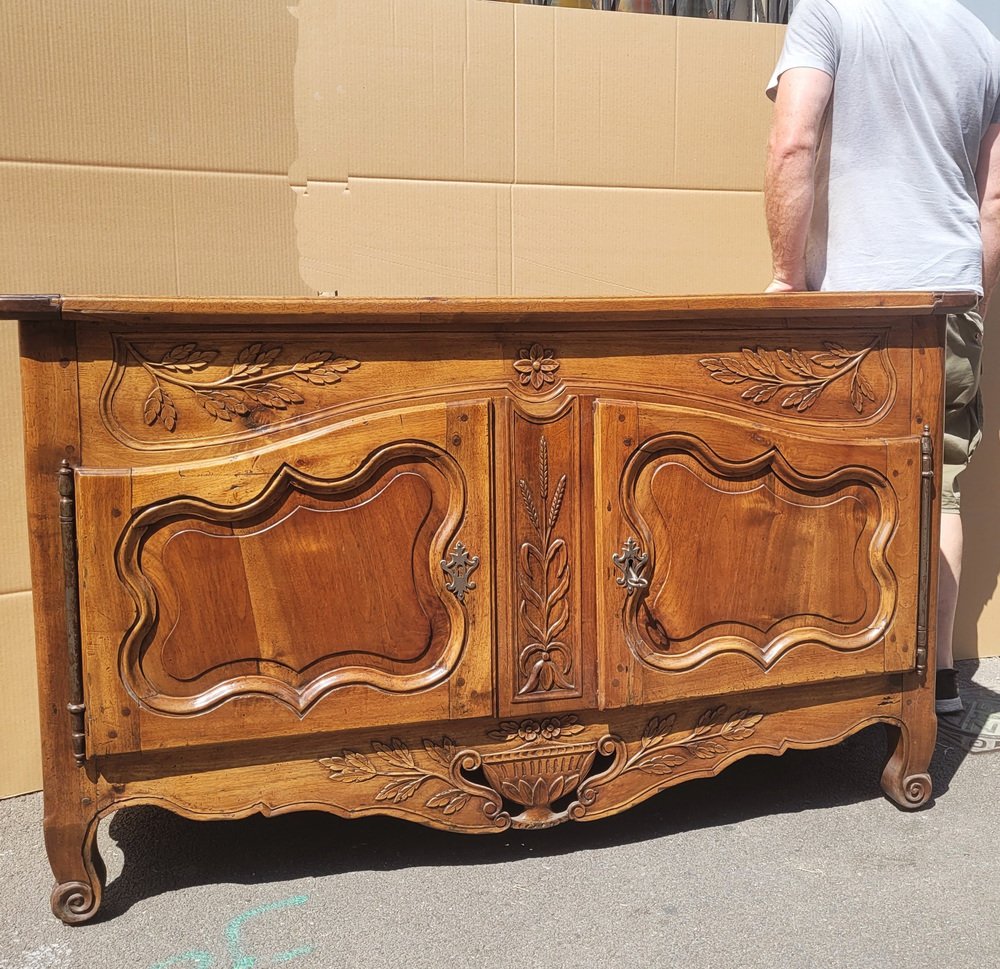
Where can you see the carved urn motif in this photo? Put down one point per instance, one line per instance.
(537, 776)
(540, 771)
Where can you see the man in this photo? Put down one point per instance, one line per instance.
(883, 173)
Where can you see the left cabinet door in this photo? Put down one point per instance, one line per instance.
(339, 580)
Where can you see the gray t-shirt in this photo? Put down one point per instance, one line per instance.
(916, 84)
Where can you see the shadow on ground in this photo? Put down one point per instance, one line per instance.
(163, 852)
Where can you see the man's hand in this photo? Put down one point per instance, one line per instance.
(780, 286)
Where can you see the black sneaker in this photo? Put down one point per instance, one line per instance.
(946, 698)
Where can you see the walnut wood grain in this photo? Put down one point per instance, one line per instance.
(478, 564)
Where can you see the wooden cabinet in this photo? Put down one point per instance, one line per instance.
(475, 563)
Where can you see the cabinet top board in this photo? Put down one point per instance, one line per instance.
(485, 310)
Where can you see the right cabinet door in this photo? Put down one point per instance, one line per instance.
(734, 556)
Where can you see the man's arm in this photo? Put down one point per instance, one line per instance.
(799, 108)
(988, 183)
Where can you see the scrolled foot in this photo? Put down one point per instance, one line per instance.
(75, 902)
(904, 778)
(78, 867)
(917, 789)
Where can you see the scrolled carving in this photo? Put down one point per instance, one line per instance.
(536, 366)
(401, 777)
(714, 735)
(252, 383)
(790, 372)
(709, 738)
(74, 902)
(543, 575)
(536, 772)
(917, 789)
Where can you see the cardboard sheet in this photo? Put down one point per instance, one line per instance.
(20, 750)
(376, 147)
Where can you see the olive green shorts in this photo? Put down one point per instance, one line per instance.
(963, 402)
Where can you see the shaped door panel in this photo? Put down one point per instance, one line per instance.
(813, 548)
(349, 562)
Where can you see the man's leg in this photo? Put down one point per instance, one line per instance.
(963, 424)
(949, 575)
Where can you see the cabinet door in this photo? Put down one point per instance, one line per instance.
(739, 557)
(339, 580)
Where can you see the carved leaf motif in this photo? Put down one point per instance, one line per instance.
(252, 381)
(400, 790)
(159, 407)
(742, 725)
(450, 801)
(222, 405)
(801, 385)
(187, 358)
(656, 730)
(505, 730)
(569, 726)
(168, 414)
(708, 749)
(322, 367)
(154, 404)
(444, 753)
(397, 754)
(539, 791)
(760, 362)
(547, 667)
(273, 395)
(706, 741)
(404, 777)
(252, 360)
(351, 767)
(533, 630)
(720, 371)
(708, 720)
(735, 366)
(661, 763)
(759, 393)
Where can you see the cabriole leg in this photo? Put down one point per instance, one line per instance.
(905, 779)
(78, 867)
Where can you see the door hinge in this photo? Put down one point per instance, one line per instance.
(924, 577)
(67, 527)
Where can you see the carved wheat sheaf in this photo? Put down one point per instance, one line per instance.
(792, 378)
(252, 383)
(543, 574)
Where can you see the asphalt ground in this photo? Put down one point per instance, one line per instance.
(797, 861)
